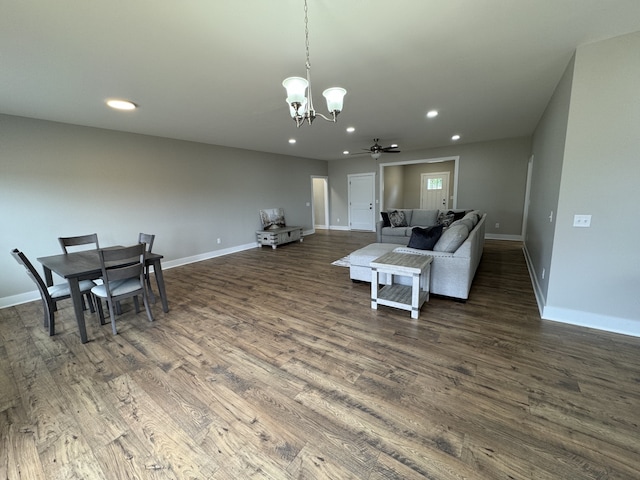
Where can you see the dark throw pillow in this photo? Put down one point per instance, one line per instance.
(397, 219)
(456, 215)
(425, 238)
(385, 219)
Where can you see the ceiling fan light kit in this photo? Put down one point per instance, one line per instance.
(376, 150)
(301, 105)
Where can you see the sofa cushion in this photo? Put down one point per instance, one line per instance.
(452, 238)
(424, 218)
(397, 218)
(474, 216)
(396, 231)
(385, 219)
(425, 238)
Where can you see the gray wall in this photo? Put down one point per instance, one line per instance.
(58, 179)
(594, 277)
(548, 154)
(492, 178)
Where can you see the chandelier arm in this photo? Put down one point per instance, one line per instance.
(333, 118)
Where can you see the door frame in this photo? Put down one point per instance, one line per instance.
(455, 159)
(373, 197)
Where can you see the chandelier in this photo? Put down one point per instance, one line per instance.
(301, 105)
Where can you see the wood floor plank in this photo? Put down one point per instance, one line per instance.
(272, 365)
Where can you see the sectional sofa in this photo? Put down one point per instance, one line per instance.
(452, 272)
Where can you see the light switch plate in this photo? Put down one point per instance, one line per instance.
(582, 220)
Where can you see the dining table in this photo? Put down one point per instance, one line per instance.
(85, 265)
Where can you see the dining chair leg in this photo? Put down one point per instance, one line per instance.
(113, 317)
(90, 302)
(49, 318)
(145, 300)
(150, 293)
(136, 303)
(100, 310)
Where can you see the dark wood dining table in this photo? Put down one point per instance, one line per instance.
(85, 265)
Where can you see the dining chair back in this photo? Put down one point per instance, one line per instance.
(148, 239)
(81, 240)
(123, 277)
(51, 295)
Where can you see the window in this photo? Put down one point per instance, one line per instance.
(434, 183)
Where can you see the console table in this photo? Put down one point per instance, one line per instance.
(405, 297)
(279, 236)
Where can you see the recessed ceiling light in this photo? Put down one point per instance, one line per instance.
(351, 129)
(455, 137)
(346, 152)
(292, 140)
(432, 113)
(121, 104)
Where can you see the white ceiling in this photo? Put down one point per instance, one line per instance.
(211, 70)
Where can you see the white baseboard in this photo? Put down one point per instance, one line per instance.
(624, 326)
(494, 236)
(20, 298)
(35, 295)
(339, 227)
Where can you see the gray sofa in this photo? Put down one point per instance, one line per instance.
(451, 272)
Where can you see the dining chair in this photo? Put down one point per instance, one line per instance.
(123, 277)
(80, 240)
(148, 239)
(51, 295)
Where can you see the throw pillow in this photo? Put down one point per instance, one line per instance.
(385, 219)
(397, 219)
(456, 215)
(452, 238)
(445, 219)
(425, 238)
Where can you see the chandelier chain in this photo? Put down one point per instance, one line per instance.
(306, 31)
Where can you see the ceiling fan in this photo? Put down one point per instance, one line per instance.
(376, 149)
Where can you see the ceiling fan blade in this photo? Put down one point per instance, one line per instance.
(390, 151)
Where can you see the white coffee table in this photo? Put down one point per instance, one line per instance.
(405, 297)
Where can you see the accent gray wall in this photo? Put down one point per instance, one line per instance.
(58, 179)
(595, 272)
(492, 178)
(548, 154)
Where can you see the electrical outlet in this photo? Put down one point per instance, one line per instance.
(218, 241)
(497, 225)
(338, 220)
(582, 220)
(543, 272)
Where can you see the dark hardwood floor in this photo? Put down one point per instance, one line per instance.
(271, 364)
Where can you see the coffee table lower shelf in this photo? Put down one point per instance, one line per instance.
(399, 296)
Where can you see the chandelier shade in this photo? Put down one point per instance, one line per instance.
(335, 98)
(296, 89)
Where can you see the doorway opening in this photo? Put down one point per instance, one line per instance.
(320, 202)
(400, 182)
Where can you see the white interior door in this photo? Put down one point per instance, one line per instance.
(361, 201)
(434, 193)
